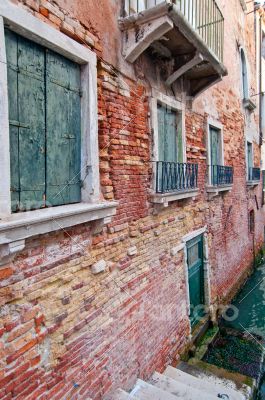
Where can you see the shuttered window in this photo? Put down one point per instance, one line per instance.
(170, 146)
(45, 125)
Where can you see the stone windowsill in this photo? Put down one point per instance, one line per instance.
(165, 198)
(252, 184)
(216, 190)
(20, 226)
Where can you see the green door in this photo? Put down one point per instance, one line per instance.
(215, 153)
(196, 279)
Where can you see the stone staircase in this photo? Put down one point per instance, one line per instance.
(185, 382)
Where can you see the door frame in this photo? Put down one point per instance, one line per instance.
(158, 97)
(215, 124)
(206, 267)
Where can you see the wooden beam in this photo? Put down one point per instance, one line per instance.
(160, 49)
(186, 67)
(139, 39)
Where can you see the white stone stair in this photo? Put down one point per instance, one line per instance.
(213, 386)
(146, 391)
(179, 389)
(176, 384)
(122, 395)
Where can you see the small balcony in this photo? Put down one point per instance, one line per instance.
(220, 179)
(175, 181)
(253, 176)
(187, 33)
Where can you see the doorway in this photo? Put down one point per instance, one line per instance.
(196, 279)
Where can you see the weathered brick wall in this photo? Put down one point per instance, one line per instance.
(65, 332)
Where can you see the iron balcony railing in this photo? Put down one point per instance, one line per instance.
(254, 174)
(172, 176)
(203, 15)
(219, 175)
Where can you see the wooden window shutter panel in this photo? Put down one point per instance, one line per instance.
(26, 87)
(63, 131)
(11, 49)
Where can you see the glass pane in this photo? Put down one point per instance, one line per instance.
(193, 254)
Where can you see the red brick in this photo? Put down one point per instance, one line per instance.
(6, 272)
(21, 351)
(44, 11)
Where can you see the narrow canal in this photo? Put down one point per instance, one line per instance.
(250, 304)
(247, 316)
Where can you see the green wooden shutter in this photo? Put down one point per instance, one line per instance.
(27, 122)
(215, 146)
(179, 139)
(63, 130)
(250, 155)
(11, 52)
(161, 133)
(169, 135)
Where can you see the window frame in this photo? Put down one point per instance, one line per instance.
(249, 142)
(163, 199)
(244, 78)
(215, 124)
(23, 23)
(15, 228)
(177, 106)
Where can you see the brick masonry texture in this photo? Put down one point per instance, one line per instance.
(66, 333)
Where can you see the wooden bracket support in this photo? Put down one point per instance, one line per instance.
(138, 39)
(186, 67)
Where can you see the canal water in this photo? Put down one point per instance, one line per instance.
(247, 313)
(248, 310)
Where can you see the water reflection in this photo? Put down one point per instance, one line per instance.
(251, 305)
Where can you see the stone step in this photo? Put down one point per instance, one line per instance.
(146, 391)
(180, 389)
(121, 395)
(236, 388)
(200, 370)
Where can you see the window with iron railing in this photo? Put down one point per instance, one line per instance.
(204, 17)
(254, 174)
(220, 175)
(173, 176)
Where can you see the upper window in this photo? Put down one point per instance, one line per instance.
(45, 125)
(249, 160)
(244, 73)
(216, 173)
(172, 174)
(215, 146)
(170, 147)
